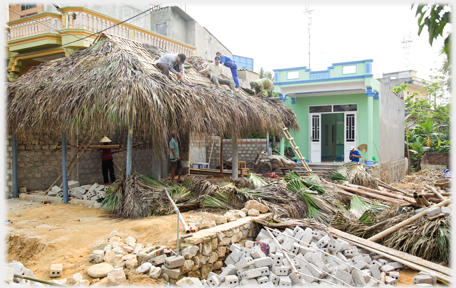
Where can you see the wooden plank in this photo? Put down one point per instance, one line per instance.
(391, 251)
(436, 216)
(412, 265)
(372, 195)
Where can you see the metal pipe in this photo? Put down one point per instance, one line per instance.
(187, 230)
(129, 151)
(177, 240)
(40, 281)
(15, 183)
(64, 169)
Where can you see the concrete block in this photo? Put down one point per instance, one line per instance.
(295, 248)
(55, 270)
(229, 270)
(316, 235)
(288, 243)
(77, 192)
(274, 279)
(394, 275)
(358, 278)
(244, 263)
(361, 264)
(263, 279)
(306, 273)
(387, 268)
(174, 261)
(295, 278)
(158, 260)
(345, 244)
(446, 210)
(328, 268)
(433, 211)
(323, 242)
(73, 184)
(279, 256)
(375, 270)
(190, 252)
(282, 271)
(390, 281)
(304, 250)
(236, 255)
(9, 275)
(367, 258)
(229, 260)
(97, 256)
(307, 237)
(396, 265)
(350, 253)
(434, 278)
(257, 253)
(289, 232)
(263, 235)
(343, 275)
(252, 273)
(315, 271)
(264, 271)
(382, 261)
(263, 262)
(281, 238)
(341, 256)
(285, 281)
(231, 280)
(249, 244)
(235, 246)
(214, 281)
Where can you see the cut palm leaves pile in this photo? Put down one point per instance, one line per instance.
(256, 181)
(358, 207)
(430, 240)
(294, 176)
(354, 174)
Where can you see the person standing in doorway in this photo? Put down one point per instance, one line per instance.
(107, 164)
(354, 155)
(175, 158)
(228, 62)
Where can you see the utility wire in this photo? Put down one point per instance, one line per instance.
(52, 48)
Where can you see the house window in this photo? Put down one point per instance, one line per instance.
(349, 69)
(27, 6)
(318, 109)
(162, 28)
(409, 93)
(346, 107)
(293, 75)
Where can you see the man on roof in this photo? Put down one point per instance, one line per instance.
(262, 84)
(228, 62)
(216, 74)
(172, 62)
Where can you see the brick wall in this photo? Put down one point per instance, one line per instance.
(247, 150)
(40, 162)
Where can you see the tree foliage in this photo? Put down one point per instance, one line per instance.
(435, 18)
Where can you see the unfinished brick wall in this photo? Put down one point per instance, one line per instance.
(247, 150)
(40, 162)
(392, 171)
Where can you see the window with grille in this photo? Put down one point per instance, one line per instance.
(315, 128)
(162, 28)
(350, 127)
(27, 6)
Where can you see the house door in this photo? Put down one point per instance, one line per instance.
(315, 137)
(350, 134)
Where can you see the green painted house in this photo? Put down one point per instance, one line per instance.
(340, 107)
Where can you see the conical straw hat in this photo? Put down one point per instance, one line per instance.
(105, 140)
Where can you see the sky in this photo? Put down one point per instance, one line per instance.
(276, 36)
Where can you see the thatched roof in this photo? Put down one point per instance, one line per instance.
(113, 85)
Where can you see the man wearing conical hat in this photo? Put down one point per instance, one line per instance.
(107, 166)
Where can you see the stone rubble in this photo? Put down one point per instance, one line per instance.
(86, 192)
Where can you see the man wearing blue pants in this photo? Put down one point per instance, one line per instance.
(228, 62)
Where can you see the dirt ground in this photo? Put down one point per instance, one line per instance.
(43, 234)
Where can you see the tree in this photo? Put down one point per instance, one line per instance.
(265, 74)
(435, 17)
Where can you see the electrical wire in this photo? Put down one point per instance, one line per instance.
(99, 32)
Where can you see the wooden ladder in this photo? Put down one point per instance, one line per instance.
(296, 150)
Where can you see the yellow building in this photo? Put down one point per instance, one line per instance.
(37, 33)
(414, 84)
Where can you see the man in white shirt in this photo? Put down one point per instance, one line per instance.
(172, 62)
(216, 73)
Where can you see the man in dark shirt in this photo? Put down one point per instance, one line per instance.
(107, 166)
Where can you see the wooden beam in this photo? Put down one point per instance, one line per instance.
(372, 195)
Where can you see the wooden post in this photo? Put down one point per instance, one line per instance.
(15, 183)
(234, 160)
(64, 169)
(405, 222)
(221, 155)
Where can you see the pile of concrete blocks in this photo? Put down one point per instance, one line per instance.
(85, 192)
(322, 259)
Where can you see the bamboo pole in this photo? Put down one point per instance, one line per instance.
(212, 148)
(405, 222)
(424, 200)
(372, 195)
(385, 185)
(435, 192)
(187, 230)
(40, 281)
(408, 199)
(94, 146)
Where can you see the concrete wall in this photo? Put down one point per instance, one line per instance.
(392, 171)
(247, 150)
(246, 76)
(391, 126)
(40, 162)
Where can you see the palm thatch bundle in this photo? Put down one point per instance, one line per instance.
(430, 240)
(114, 86)
(354, 174)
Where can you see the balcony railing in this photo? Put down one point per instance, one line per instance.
(35, 25)
(91, 21)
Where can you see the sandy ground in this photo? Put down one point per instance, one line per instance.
(44, 234)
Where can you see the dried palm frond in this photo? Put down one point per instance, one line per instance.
(347, 224)
(427, 239)
(337, 176)
(256, 181)
(114, 195)
(243, 182)
(358, 207)
(188, 182)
